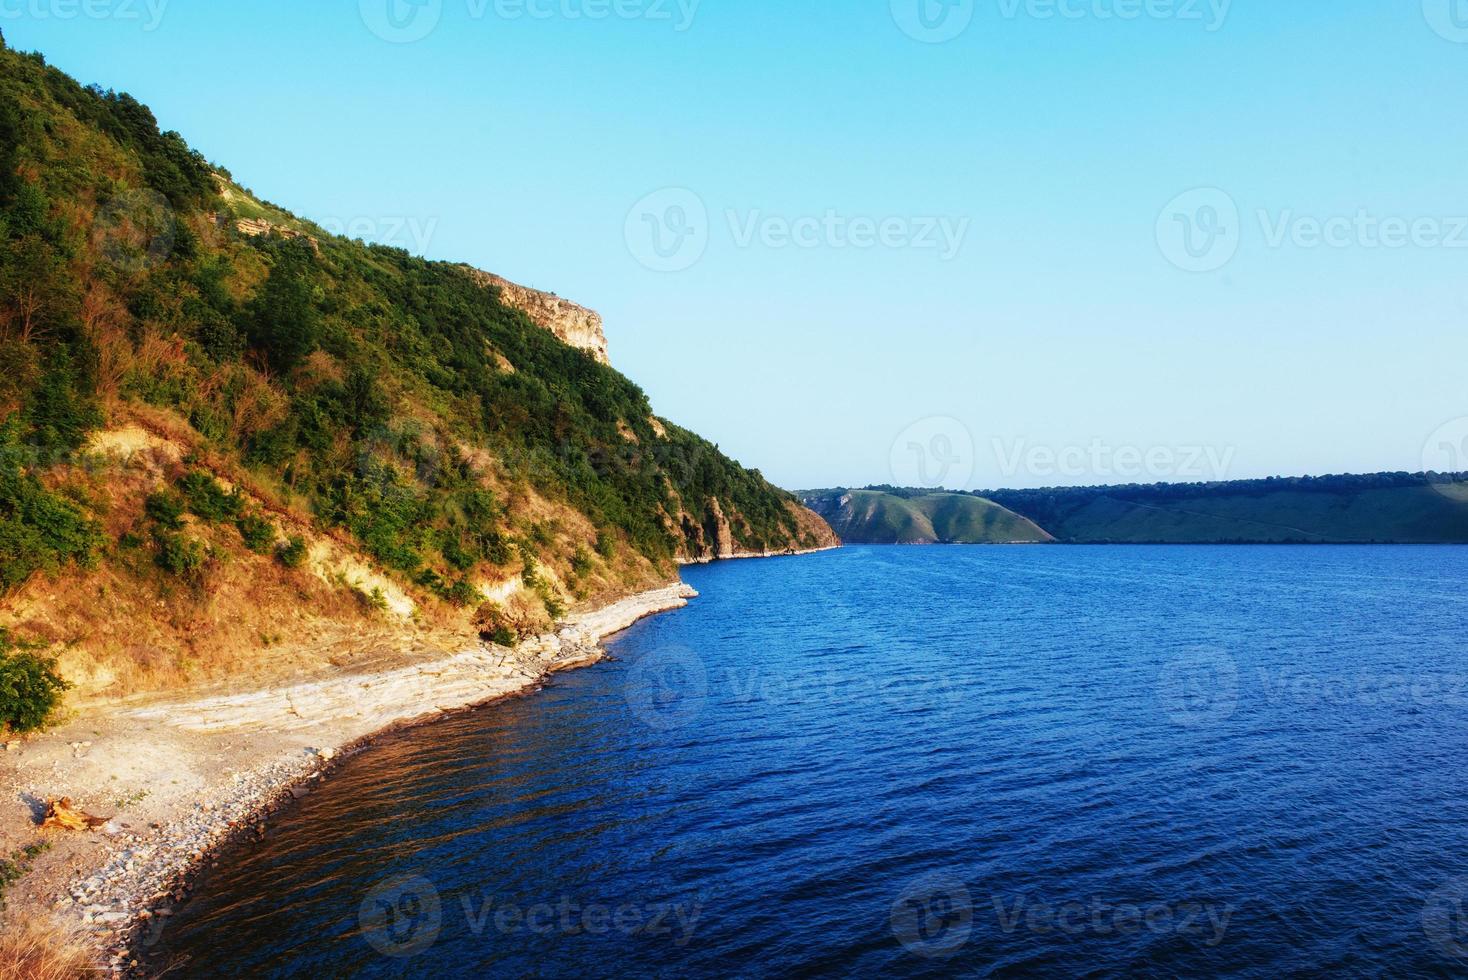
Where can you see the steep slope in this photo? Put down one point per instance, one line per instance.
(874, 517)
(230, 439)
(1386, 508)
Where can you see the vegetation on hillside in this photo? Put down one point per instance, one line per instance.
(30, 688)
(920, 517)
(392, 398)
(1379, 507)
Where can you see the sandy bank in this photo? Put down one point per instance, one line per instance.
(181, 775)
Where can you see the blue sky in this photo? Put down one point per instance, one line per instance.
(1033, 241)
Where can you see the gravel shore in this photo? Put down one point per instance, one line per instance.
(181, 777)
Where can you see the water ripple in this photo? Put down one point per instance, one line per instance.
(1141, 762)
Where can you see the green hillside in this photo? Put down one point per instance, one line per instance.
(261, 386)
(1378, 508)
(1386, 508)
(872, 517)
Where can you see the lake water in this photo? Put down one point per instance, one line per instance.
(1123, 761)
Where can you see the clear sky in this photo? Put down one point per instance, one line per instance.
(1042, 241)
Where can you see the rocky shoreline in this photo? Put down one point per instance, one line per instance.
(741, 555)
(214, 769)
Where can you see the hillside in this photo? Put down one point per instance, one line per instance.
(1381, 508)
(873, 517)
(233, 443)
(1386, 508)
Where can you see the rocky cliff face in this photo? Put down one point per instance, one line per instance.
(719, 538)
(573, 324)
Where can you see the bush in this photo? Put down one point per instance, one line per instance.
(461, 593)
(30, 687)
(373, 601)
(520, 617)
(207, 499)
(166, 509)
(292, 554)
(39, 530)
(258, 533)
(179, 555)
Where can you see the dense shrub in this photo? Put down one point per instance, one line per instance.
(292, 553)
(180, 555)
(166, 508)
(207, 499)
(257, 533)
(507, 624)
(30, 687)
(39, 530)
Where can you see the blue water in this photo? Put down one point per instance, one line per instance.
(1120, 761)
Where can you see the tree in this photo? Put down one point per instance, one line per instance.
(282, 322)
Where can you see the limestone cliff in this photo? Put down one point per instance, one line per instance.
(725, 534)
(573, 324)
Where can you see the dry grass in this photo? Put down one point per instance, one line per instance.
(42, 949)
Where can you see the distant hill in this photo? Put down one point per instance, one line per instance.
(1401, 508)
(1385, 508)
(874, 517)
